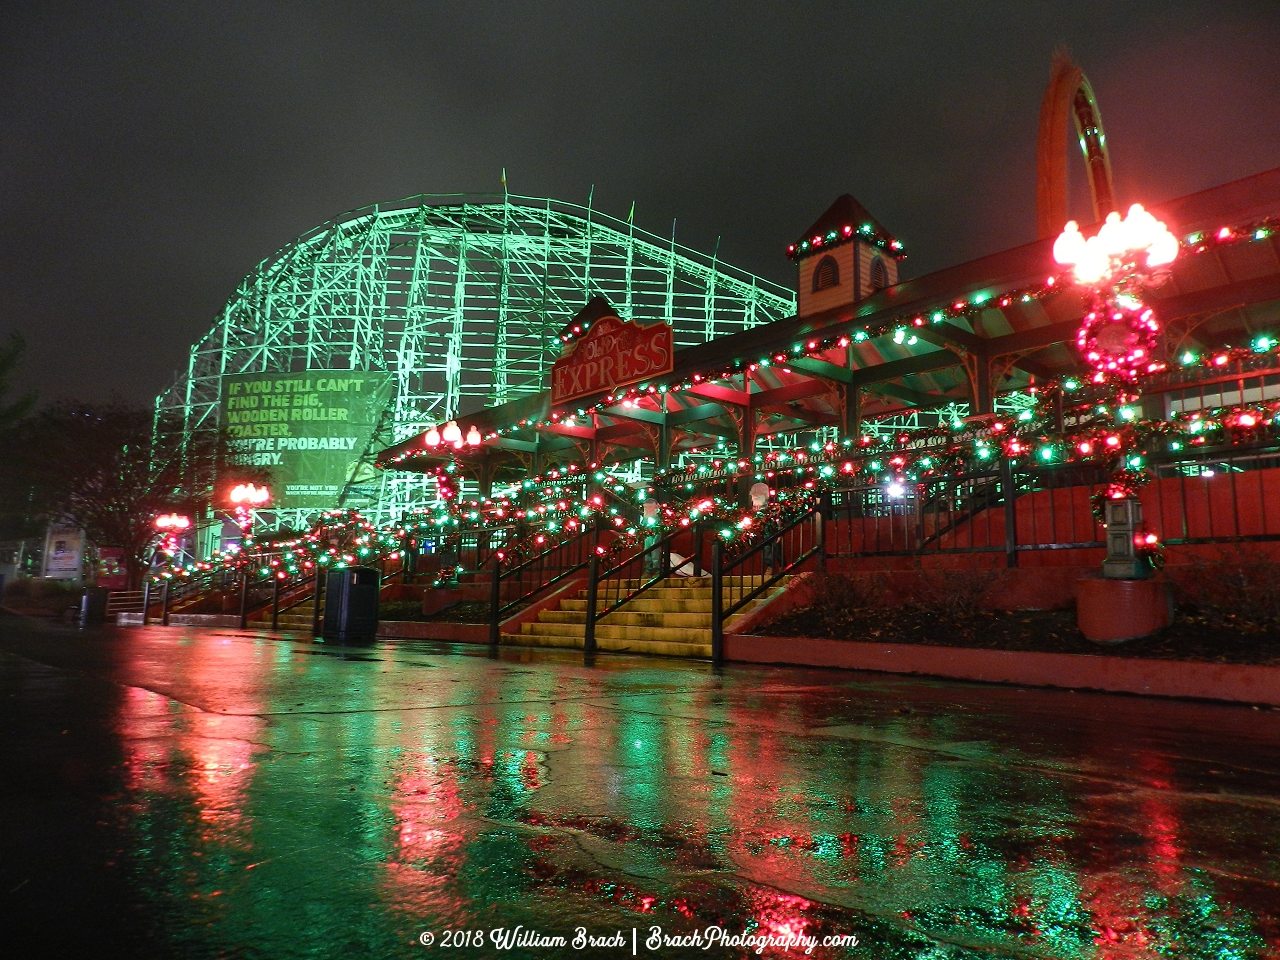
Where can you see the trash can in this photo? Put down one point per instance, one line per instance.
(93, 605)
(351, 605)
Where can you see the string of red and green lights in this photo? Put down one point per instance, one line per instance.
(1116, 437)
(1110, 432)
(903, 329)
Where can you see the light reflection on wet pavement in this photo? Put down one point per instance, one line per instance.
(208, 793)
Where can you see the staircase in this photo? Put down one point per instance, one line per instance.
(670, 619)
(294, 619)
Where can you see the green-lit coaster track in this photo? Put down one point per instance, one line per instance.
(457, 300)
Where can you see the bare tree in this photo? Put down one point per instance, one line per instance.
(111, 469)
(13, 412)
(17, 513)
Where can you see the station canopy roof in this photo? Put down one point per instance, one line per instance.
(961, 334)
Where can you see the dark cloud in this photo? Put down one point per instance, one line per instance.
(151, 156)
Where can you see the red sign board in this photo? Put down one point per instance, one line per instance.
(614, 353)
(112, 573)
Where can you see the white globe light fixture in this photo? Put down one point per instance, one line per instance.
(248, 494)
(1120, 334)
(1116, 246)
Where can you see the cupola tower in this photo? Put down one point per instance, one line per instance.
(844, 257)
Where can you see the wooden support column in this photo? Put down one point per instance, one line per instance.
(745, 421)
(850, 411)
(536, 459)
(592, 486)
(979, 369)
(662, 453)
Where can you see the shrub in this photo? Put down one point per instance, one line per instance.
(840, 601)
(1237, 587)
(954, 596)
(38, 595)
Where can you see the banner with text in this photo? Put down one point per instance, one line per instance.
(310, 429)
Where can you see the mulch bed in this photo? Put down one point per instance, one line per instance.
(1190, 637)
(400, 610)
(464, 611)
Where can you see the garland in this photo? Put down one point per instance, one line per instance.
(1124, 484)
(340, 538)
(901, 327)
(1117, 440)
(867, 233)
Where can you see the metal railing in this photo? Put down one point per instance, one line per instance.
(473, 550)
(512, 587)
(738, 579)
(624, 580)
(1215, 495)
(124, 601)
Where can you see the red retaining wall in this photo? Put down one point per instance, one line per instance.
(1222, 506)
(476, 632)
(435, 599)
(1164, 678)
(434, 630)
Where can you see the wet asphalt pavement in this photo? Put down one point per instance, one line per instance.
(195, 793)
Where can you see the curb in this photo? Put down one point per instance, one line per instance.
(1230, 682)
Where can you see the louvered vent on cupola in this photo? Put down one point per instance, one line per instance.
(826, 274)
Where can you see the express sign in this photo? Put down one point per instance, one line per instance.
(614, 353)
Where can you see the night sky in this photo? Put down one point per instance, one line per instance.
(152, 155)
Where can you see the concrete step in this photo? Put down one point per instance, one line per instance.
(658, 648)
(620, 631)
(666, 593)
(671, 621)
(634, 617)
(670, 595)
(690, 582)
(647, 604)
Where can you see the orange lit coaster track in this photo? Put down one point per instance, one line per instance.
(1069, 92)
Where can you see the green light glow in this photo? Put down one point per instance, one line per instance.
(456, 298)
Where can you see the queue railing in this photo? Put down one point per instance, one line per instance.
(739, 578)
(515, 583)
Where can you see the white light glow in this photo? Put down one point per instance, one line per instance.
(1095, 259)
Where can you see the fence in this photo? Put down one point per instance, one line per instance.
(736, 580)
(524, 579)
(1215, 495)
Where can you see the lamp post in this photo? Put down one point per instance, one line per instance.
(1118, 338)
(246, 496)
(170, 527)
